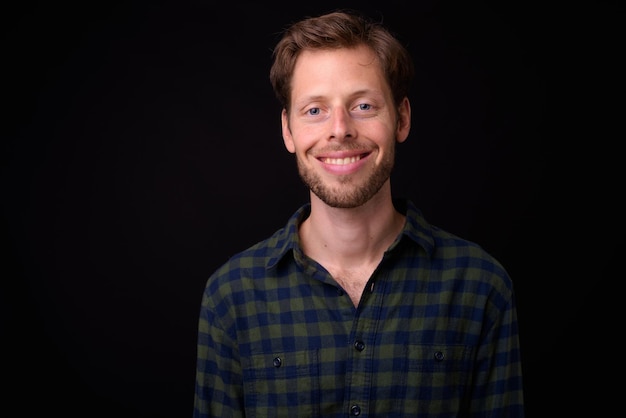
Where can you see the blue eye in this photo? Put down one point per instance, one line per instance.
(314, 111)
(365, 106)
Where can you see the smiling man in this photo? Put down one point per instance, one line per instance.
(358, 306)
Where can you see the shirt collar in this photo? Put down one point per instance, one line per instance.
(415, 228)
(287, 238)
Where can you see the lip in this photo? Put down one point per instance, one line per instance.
(343, 162)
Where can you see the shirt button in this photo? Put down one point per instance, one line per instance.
(277, 362)
(359, 345)
(355, 410)
(439, 356)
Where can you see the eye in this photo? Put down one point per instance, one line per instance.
(365, 106)
(314, 111)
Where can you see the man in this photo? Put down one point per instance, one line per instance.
(357, 307)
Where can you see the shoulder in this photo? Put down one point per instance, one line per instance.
(257, 261)
(458, 252)
(248, 262)
(452, 257)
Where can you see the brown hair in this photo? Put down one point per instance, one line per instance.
(340, 29)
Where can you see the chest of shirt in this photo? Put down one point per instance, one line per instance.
(297, 311)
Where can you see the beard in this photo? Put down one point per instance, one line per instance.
(350, 192)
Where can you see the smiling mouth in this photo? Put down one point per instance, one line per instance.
(342, 161)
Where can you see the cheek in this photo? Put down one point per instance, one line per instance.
(386, 143)
(303, 138)
(382, 134)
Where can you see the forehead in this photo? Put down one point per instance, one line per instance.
(360, 55)
(337, 68)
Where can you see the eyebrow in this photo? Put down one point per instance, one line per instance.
(318, 97)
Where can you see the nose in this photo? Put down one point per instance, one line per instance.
(341, 125)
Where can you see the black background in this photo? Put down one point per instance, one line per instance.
(141, 147)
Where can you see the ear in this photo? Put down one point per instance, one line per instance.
(287, 138)
(404, 120)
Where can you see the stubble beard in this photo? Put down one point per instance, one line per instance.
(348, 194)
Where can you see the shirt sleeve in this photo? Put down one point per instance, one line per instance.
(498, 390)
(219, 382)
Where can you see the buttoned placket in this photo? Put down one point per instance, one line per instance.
(362, 337)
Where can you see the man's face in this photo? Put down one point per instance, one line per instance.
(343, 125)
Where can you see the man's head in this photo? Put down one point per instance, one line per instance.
(344, 84)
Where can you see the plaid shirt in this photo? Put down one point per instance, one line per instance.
(435, 333)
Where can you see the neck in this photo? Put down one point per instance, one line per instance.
(351, 237)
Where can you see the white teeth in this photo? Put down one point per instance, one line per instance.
(342, 161)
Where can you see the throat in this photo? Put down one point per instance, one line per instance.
(353, 281)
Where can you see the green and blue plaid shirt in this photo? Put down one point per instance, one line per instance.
(435, 333)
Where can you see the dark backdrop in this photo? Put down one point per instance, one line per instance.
(141, 147)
